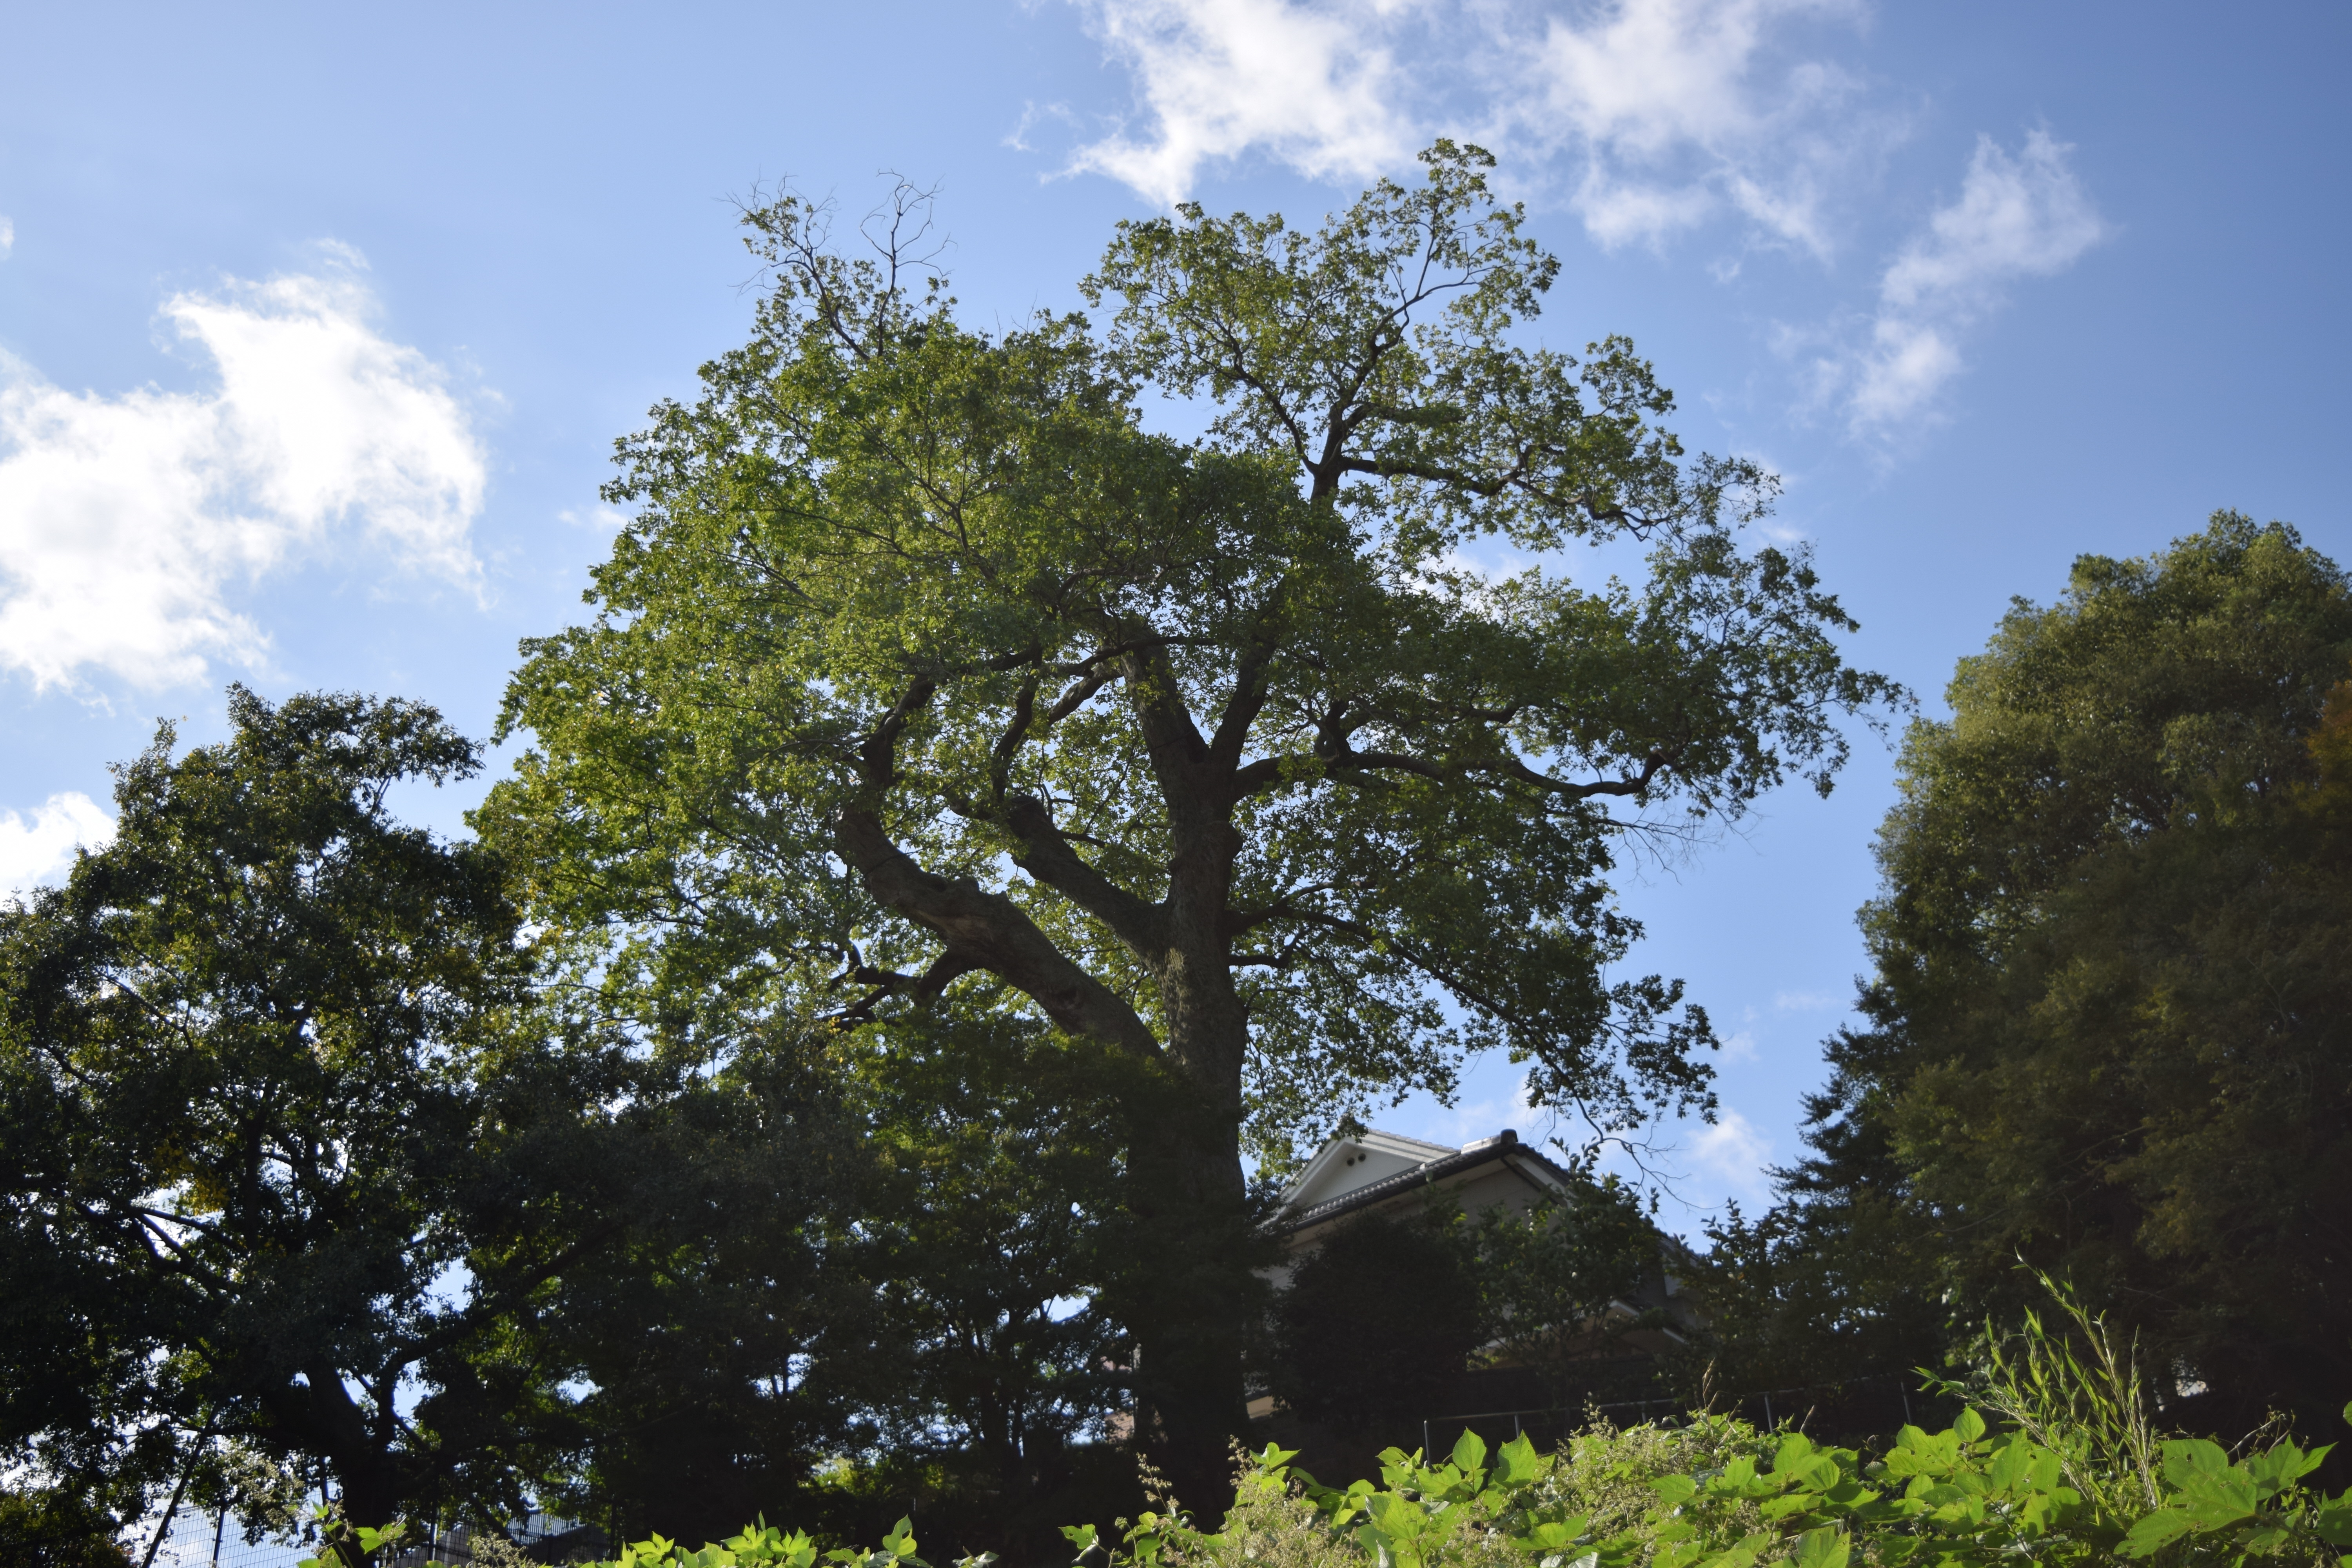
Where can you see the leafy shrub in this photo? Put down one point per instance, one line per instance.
(1715, 1492)
(2081, 1476)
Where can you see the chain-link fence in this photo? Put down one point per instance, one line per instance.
(195, 1539)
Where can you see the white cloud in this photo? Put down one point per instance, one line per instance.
(124, 521)
(7, 236)
(35, 851)
(1317, 87)
(1734, 1151)
(597, 520)
(2021, 217)
(1738, 1046)
(1678, 113)
(1806, 1001)
(1671, 111)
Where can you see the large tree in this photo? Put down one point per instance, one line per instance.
(924, 664)
(2107, 1027)
(290, 1155)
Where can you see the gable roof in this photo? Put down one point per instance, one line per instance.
(1443, 1164)
(1330, 1173)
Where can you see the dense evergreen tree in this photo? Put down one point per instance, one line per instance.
(2108, 1026)
(1378, 1322)
(250, 1133)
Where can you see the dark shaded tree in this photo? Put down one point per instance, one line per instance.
(717, 1345)
(1378, 1323)
(290, 1155)
(54, 1529)
(2107, 1026)
(1558, 1277)
(993, 1233)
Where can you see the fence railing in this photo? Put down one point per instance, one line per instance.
(1888, 1399)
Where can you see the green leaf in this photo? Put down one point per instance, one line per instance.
(2012, 1465)
(2281, 1466)
(1826, 1547)
(1521, 1463)
(1470, 1451)
(2333, 1520)
(2156, 1531)
(900, 1541)
(2189, 1459)
(1970, 1427)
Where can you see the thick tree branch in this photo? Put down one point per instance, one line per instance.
(1048, 855)
(1170, 735)
(878, 757)
(989, 930)
(1251, 684)
(1346, 759)
(925, 987)
(1489, 486)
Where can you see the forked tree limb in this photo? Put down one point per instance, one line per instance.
(989, 930)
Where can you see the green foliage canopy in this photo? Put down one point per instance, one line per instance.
(923, 659)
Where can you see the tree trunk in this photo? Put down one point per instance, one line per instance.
(1191, 1293)
(1201, 1252)
(1192, 1283)
(367, 1478)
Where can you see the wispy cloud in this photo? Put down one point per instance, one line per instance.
(1680, 110)
(7, 236)
(124, 521)
(1734, 1153)
(35, 849)
(2016, 216)
(1667, 112)
(595, 519)
(1317, 87)
(1651, 118)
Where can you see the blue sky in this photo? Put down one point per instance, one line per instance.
(316, 326)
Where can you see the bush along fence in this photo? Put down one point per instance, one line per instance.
(1844, 1407)
(1716, 1492)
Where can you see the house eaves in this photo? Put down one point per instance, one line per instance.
(1506, 1151)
